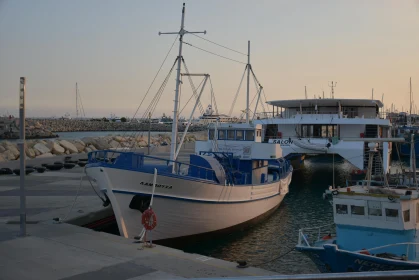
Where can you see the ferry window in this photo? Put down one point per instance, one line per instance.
(211, 134)
(221, 134)
(230, 134)
(239, 135)
(341, 209)
(357, 210)
(392, 214)
(406, 215)
(374, 208)
(250, 135)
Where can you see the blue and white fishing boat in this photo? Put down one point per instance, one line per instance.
(227, 183)
(375, 227)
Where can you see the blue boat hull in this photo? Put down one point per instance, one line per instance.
(331, 259)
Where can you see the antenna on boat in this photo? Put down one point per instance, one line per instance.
(305, 91)
(333, 86)
(180, 33)
(248, 81)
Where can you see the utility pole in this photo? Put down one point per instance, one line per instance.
(181, 33)
(22, 156)
(333, 85)
(305, 90)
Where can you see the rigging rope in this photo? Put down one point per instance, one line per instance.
(186, 43)
(213, 97)
(217, 44)
(237, 93)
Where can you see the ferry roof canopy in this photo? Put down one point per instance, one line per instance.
(327, 102)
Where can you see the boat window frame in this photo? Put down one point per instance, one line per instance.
(353, 214)
(408, 215)
(391, 218)
(343, 208)
(222, 131)
(242, 131)
(375, 217)
(245, 135)
(228, 134)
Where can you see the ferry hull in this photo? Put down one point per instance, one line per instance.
(330, 259)
(185, 208)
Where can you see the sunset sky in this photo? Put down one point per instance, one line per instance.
(112, 50)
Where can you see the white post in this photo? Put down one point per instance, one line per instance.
(22, 156)
(248, 81)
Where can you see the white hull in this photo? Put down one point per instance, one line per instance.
(185, 207)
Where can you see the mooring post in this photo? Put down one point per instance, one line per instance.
(22, 156)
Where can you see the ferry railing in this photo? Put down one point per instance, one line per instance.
(329, 114)
(135, 161)
(304, 234)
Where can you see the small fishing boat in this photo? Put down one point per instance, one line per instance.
(375, 225)
(226, 184)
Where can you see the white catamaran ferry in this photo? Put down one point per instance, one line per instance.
(333, 126)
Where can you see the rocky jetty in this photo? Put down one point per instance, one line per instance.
(52, 147)
(72, 125)
(47, 128)
(9, 129)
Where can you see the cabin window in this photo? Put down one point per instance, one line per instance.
(374, 208)
(341, 209)
(392, 214)
(230, 134)
(221, 134)
(417, 212)
(250, 135)
(406, 215)
(211, 134)
(357, 210)
(239, 135)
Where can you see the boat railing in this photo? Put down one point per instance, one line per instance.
(330, 114)
(411, 249)
(135, 161)
(309, 236)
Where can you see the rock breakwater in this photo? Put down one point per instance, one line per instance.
(52, 147)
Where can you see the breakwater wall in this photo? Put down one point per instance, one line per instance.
(47, 128)
(9, 151)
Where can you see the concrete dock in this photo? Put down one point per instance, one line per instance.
(65, 251)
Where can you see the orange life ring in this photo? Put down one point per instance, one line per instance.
(149, 219)
(365, 252)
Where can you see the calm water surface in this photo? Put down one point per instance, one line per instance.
(302, 207)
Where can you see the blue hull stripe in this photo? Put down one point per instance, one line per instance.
(195, 200)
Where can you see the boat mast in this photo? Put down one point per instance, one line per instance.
(181, 32)
(248, 81)
(77, 103)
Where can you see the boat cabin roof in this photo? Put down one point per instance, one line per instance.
(327, 102)
(242, 126)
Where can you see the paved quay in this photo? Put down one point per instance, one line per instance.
(58, 250)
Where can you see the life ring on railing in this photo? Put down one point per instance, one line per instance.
(149, 219)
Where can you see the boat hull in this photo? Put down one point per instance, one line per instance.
(184, 208)
(330, 259)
